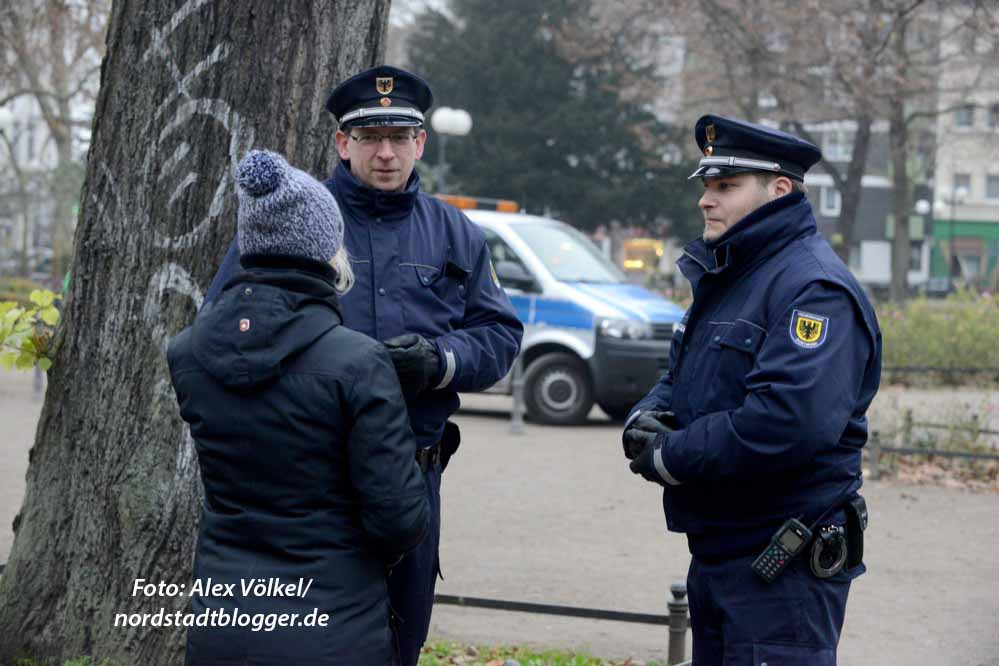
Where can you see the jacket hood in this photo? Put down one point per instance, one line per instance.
(267, 314)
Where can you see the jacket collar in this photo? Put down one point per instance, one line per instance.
(371, 202)
(301, 275)
(275, 324)
(754, 238)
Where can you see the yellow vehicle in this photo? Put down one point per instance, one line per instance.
(641, 255)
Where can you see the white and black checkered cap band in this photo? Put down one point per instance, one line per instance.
(375, 112)
(706, 163)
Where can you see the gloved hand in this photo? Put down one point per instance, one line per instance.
(645, 464)
(644, 429)
(416, 362)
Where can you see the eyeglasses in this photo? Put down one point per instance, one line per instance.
(371, 139)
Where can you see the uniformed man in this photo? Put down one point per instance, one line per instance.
(424, 286)
(761, 416)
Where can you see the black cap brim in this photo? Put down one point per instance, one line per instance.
(389, 121)
(709, 171)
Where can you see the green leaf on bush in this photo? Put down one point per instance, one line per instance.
(7, 359)
(50, 315)
(25, 361)
(6, 307)
(11, 314)
(42, 297)
(27, 346)
(45, 363)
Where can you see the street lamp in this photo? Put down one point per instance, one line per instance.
(447, 121)
(956, 198)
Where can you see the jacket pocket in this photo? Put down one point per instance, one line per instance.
(790, 654)
(434, 297)
(733, 347)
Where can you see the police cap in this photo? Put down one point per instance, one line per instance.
(383, 96)
(734, 146)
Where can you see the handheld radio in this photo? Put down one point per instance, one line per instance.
(789, 540)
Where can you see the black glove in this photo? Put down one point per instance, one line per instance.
(645, 465)
(416, 362)
(643, 430)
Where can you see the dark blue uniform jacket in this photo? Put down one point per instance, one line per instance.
(307, 462)
(422, 267)
(772, 416)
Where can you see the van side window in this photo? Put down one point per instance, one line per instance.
(500, 251)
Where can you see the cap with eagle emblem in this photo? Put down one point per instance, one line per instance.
(383, 96)
(734, 146)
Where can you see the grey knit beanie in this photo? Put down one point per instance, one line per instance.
(283, 210)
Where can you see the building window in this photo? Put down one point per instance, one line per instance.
(854, 258)
(838, 146)
(962, 181)
(830, 201)
(916, 255)
(964, 116)
(992, 186)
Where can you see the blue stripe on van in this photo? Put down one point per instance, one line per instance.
(564, 314)
(522, 305)
(634, 301)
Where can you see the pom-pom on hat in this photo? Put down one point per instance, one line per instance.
(283, 210)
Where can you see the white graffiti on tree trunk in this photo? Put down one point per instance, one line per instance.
(171, 164)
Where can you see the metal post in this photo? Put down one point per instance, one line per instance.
(678, 623)
(907, 430)
(39, 383)
(875, 455)
(442, 166)
(517, 415)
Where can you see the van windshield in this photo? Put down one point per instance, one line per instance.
(568, 254)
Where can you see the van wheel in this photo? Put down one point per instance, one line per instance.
(617, 412)
(557, 390)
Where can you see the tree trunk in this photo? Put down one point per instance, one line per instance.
(113, 492)
(900, 247)
(853, 188)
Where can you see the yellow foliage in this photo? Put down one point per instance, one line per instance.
(26, 331)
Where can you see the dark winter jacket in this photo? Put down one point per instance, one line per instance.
(307, 459)
(771, 374)
(421, 267)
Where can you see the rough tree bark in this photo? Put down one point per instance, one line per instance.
(898, 129)
(187, 87)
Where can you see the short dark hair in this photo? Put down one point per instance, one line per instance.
(767, 178)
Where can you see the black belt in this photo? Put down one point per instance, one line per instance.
(428, 457)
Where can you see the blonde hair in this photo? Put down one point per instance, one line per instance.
(344, 273)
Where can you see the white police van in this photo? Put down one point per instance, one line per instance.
(589, 335)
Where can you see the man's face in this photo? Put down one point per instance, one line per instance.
(382, 157)
(728, 199)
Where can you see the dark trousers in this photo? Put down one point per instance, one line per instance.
(412, 582)
(739, 620)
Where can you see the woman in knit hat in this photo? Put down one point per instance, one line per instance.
(306, 454)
